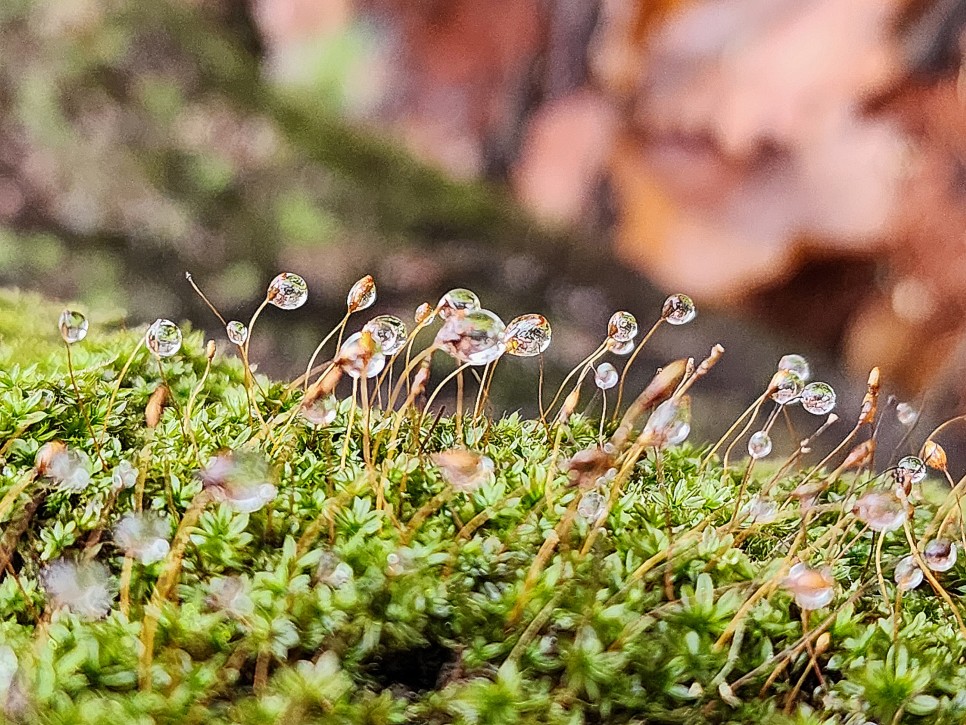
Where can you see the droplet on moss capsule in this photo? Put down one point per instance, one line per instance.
(785, 386)
(940, 554)
(73, 326)
(389, 332)
(360, 356)
(474, 337)
(910, 469)
(362, 295)
(670, 423)
(605, 376)
(812, 588)
(818, 398)
(163, 338)
(527, 335)
(619, 348)
(591, 506)
(906, 414)
(322, 411)
(464, 470)
(796, 364)
(759, 445)
(456, 300)
(288, 291)
(908, 575)
(678, 309)
(880, 510)
(237, 332)
(622, 326)
(424, 314)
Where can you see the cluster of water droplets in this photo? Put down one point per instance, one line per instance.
(812, 588)
(68, 469)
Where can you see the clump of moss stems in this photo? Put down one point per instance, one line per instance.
(388, 562)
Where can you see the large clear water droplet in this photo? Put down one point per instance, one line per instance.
(474, 337)
(785, 386)
(163, 338)
(796, 364)
(605, 376)
(759, 445)
(456, 300)
(907, 414)
(679, 309)
(670, 423)
(622, 327)
(73, 326)
(237, 332)
(908, 575)
(322, 411)
(389, 332)
(288, 291)
(527, 335)
(362, 295)
(818, 398)
(360, 356)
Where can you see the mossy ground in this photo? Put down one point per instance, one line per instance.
(431, 626)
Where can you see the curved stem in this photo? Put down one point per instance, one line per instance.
(630, 361)
(117, 387)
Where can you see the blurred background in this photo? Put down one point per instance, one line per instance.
(797, 166)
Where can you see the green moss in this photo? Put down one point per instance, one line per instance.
(381, 620)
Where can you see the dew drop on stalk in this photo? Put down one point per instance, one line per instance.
(759, 445)
(237, 332)
(812, 588)
(785, 386)
(163, 338)
(796, 364)
(910, 469)
(880, 511)
(73, 326)
(678, 310)
(907, 575)
(389, 332)
(527, 335)
(424, 314)
(605, 376)
(321, 412)
(818, 398)
(125, 475)
(456, 300)
(288, 291)
(464, 470)
(591, 506)
(362, 295)
(84, 588)
(670, 423)
(143, 536)
(360, 356)
(619, 348)
(241, 480)
(474, 337)
(906, 414)
(940, 554)
(622, 326)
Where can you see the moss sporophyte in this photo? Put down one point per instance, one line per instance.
(186, 540)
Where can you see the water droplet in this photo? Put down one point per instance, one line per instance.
(679, 310)
(908, 575)
(761, 510)
(424, 314)
(796, 364)
(910, 469)
(880, 510)
(322, 411)
(125, 475)
(143, 536)
(288, 291)
(474, 337)
(619, 348)
(812, 588)
(163, 338)
(362, 295)
(85, 588)
(785, 386)
(605, 376)
(906, 414)
(622, 327)
(591, 506)
(818, 398)
(464, 470)
(389, 333)
(237, 332)
(73, 326)
(232, 595)
(360, 356)
(940, 555)
(68, 468)
(670, 423)
(527, 335)
(457, 299)
(239, 480)
(759, 445)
